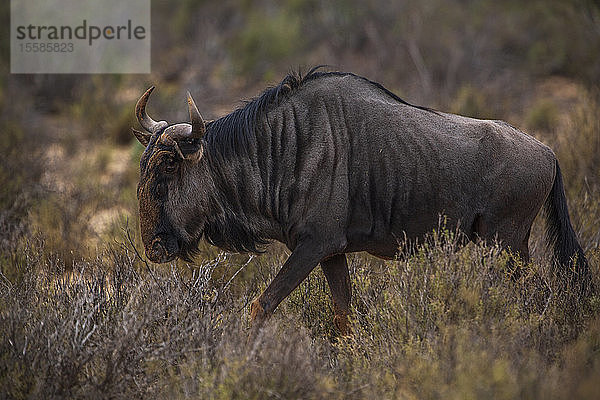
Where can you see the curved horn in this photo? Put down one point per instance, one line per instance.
(140, 112)
(198, 126)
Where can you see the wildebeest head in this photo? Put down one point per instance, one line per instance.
(171, 175)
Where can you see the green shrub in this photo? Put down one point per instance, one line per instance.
(264, 40)
(470, 102)
(578, 145)
(543, 116)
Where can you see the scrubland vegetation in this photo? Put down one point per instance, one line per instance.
(82, 315)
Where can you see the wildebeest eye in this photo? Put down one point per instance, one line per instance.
(170, 165)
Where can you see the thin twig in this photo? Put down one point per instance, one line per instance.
(238, 271)
(137, 253)
(7, 282)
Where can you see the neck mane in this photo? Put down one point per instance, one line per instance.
(235, 133)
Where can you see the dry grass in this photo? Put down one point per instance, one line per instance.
(447, 322)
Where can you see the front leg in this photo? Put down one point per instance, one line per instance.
(303, 259)
(335, 270)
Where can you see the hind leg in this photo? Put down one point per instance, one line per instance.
(517, 244)
(523, 249)
(519, 256)
(335, 269)
(515, 241)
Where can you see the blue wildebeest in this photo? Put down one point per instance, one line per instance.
(333, 163)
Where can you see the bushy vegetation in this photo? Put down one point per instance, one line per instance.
(446, 322)
(82, 315)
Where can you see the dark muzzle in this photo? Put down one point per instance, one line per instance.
(162, 249)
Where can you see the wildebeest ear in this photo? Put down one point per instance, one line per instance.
(143, 137)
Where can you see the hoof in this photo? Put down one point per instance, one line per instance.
(342, 324)
(257, 312)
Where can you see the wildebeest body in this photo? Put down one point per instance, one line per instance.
(334, 163)
(344, 159)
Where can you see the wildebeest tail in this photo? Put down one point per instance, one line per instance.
(561, 236)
